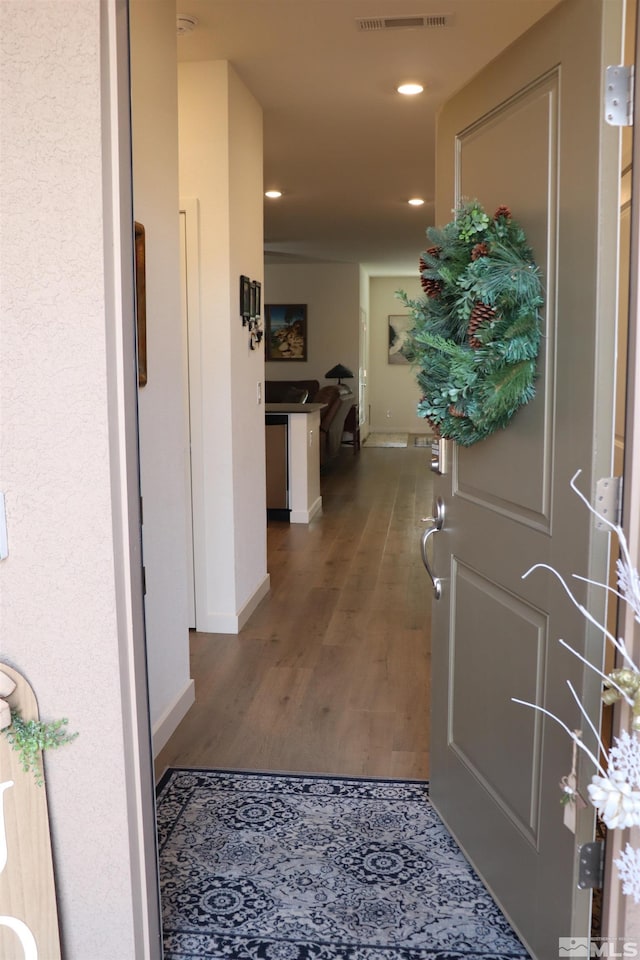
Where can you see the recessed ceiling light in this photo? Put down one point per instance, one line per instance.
(273, 194)
(410, 89)
(416, 201)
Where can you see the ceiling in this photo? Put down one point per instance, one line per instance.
(344, 147)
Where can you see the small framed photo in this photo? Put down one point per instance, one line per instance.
(141, 301)
(286, 331)
(400, 325)
(245, 298)
(256, 299)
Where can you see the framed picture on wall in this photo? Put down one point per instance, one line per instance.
(141, 301)
(286, 331)
(256, 299)
(399, 326)
(245, 298)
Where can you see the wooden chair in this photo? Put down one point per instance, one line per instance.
(352, 427)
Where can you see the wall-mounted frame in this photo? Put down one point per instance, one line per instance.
(245, 298)
(400, 325)
(256, 299)
(286, 331)
(141, 301)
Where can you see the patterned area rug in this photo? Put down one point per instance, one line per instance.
(264, 867)
(386, 440)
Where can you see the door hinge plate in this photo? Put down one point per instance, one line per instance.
(591, 865)
(609, 501)
(618, 96)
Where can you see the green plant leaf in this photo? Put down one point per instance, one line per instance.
(30, 737)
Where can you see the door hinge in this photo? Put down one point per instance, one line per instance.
(618, 96)
(609, 501)
(591, 865)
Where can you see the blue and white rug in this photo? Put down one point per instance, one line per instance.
(263, 867)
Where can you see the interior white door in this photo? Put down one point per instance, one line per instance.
(529, 133)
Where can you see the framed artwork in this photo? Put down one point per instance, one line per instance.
(141, 301)
(399, 327)
(256, 299)
(245, 299)
(286, 331)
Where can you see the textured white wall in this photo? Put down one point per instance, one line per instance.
(392, 387)
(332, 295)
(246, 257)
(163, 436)
(220, 143)
(58, 610)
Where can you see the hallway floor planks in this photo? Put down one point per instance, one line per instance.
(331, 673)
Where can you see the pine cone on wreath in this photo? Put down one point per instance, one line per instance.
(453, 410)
(481, 313)
(502, 212)
(480, 250)
(431, 287)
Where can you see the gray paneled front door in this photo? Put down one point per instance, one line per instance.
(528, 133)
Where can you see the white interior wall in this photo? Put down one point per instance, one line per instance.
(246, 257)
(332, 295)
(163, 440)
(393, 390)
(64, 622)
(220, 164)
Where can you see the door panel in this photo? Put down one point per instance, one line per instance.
(511, 774)
(528, 133)
(515, 477)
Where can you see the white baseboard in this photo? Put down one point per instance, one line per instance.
(233, 623)
(304, 516)
(172, 716)
(253, 601)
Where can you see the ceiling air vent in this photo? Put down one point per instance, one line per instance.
(185, 24)
(368, 24)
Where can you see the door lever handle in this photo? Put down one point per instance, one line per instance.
(438, 522)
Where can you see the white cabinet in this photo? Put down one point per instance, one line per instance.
(303, 458)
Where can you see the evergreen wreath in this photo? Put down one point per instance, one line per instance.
(476, 331)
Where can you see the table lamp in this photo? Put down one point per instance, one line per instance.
(340, 372)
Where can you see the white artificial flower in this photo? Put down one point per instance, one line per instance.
(615, 800)
(624, 757)
(628, 865)
(629, 583)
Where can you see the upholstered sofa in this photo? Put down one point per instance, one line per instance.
(332, 417)
(290, 391)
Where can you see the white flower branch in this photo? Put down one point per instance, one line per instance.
(614, 791)
(618, 644)
(574, 736)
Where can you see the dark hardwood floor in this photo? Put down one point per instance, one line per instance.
(331, 673)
